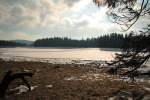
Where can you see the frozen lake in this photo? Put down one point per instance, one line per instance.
(63, 53)
(58, 55)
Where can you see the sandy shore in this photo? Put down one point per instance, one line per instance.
(67, 82)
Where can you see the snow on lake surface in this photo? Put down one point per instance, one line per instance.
(58, 55)
(66, 53)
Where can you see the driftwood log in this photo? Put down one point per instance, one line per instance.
(9, 77)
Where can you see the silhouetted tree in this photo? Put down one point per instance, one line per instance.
(136, 49)
(126, 12)
(4, 43)
(113, 40)
(136, 52)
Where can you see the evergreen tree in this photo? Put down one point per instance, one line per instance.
(136, 49)
(113, 40)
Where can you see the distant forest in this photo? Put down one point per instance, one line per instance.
(4, 43)
(113, 40)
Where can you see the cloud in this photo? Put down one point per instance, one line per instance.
(20, 13)
(16, 15)
(71, 2)
(31, 13)
(33, 19)
(15, 36)
(82, 24)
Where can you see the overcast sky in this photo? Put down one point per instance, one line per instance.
(34, 19)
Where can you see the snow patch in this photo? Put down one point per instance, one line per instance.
(49, 86)
(23, 89)
(72, 78)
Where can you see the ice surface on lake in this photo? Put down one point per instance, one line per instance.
(58, 54)
(61, 55)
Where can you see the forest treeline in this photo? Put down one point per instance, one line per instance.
(112, 40)
(4, 43)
